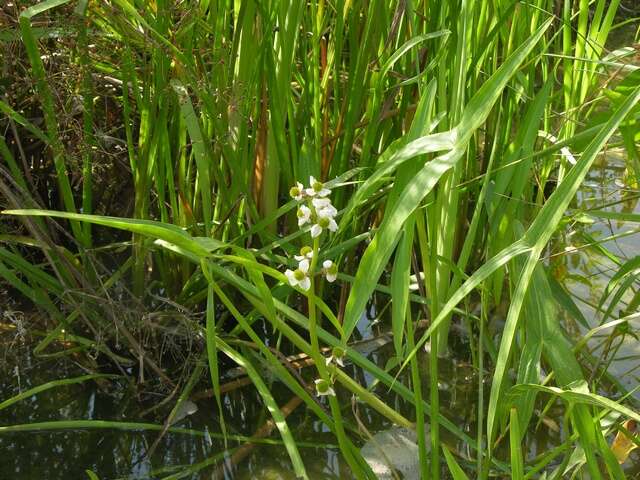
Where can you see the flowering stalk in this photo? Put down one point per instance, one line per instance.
(318, 358)
(316, 209)
(323, 384)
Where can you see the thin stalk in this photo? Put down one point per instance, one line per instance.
(417, 392)
(321, 366)
(483, 473)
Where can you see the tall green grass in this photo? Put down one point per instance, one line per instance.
(449, 132)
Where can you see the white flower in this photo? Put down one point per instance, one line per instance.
(323, 221)
(299, 276)
(324, 388)
(330, 270)
(324, 207)
(305, 252)
(304, 215)
(297, 191)
(337, 354)
(316, 188)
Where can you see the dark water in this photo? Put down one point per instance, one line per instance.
(66, 454)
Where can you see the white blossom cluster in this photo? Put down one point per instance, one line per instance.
(315, 208)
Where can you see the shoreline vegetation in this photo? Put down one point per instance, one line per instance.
(202, 197)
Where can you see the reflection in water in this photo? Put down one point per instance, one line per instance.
(66, 454)
(587, 266)
(588, 255)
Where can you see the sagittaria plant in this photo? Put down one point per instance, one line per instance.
(315, 208)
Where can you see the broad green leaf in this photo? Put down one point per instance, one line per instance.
(408, 45)
(150, 228)
(515, 437)
(200, 151)
(41, 7)
(580, 394)
(456, 471)
(537, 237)
(379, 251)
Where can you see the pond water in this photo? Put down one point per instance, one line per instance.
(66, 454)
(587, 269)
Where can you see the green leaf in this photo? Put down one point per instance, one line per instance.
(517, 464)
(379, 250)
(580, 394)
(150, 228)
(456, 471)
(49, 385)
(272, 406)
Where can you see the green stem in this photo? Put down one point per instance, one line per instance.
(417, 393)
(322, 368)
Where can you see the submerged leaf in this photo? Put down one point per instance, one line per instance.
(395, 449)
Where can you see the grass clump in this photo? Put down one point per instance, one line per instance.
(452, 137)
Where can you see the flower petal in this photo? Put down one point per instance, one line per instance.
(305, 283)
(316, 230)
(291, 277)
(323, 388)
(331, 277)
(304, 265)
(327, 212)
(320, 203)
(304, 214)
(327, 264)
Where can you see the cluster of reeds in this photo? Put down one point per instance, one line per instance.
(453, 134)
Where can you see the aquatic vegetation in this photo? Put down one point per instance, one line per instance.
(189, 188)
